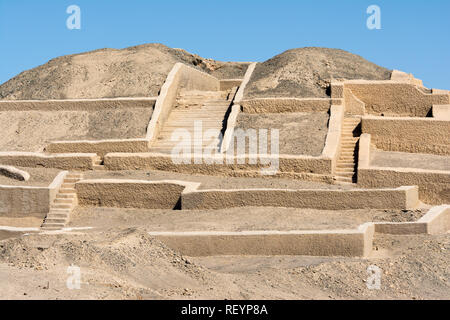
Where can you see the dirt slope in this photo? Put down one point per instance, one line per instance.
(105, 73)
(128, 264)
(307, 72)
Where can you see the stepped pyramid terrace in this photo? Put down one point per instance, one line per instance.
(166, 174)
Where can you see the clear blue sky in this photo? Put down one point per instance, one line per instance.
(414, 35)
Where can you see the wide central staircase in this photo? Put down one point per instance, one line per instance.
(202, 114)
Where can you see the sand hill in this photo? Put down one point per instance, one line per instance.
(109, 73)
(307, 72)
(141, 71)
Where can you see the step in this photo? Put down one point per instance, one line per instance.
(66, 196)
(55, 220)
(74, 175)
(352, 120)
(71, 180)
(68, 185)
(343, 179)
(54, 225)
(67, 190)
(345, 163)
(98, 167)
(57, 215)
(341, 165)
(63, 201)
(345, 174)
(344, 171)
(61, 206)
(60, 211)
(46, 228)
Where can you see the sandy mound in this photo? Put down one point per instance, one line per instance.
(307, 72)
(128, 264)
(131, 72)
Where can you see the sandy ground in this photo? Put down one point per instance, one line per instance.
(236, 219)
(299, 133)
(39, 177)
(129, 264)
(307, 72)
(106, 73)
(381, 158)
(215, 182)
(33, 130)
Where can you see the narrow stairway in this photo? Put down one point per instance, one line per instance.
(65, 201)
(347, 162)
(204, 110)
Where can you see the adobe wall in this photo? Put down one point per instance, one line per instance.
(69, 161)
(400, 198)
(414, 135)
(390, 98)
(165, 162)
(434, 185)
(123, 193)
(350, 243)
(227, 84)
(100, 147)
(27, 201)
(236, 109)
(435, 221)
(77, 104)
(399, 96)
(282, 105)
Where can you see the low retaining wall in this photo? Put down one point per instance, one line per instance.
(282, 105)
(436, 221)
(441, 112)
(100, 147)
(68, 161)
(227, 84)
(20, 201)
(218, 165)
(120, 193)
(412, 135)
(350, 243)
(399, 198)
(77, 104)
(399, 97)
(434, 185)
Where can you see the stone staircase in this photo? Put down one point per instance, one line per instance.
(204, 110)
(65, 201)
(347, 162)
